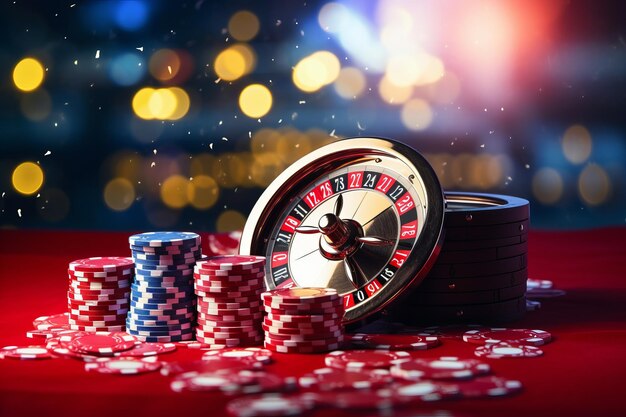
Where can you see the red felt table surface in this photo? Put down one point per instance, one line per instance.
(582, 372)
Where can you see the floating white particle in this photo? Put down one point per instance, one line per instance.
(294, 115)
(482, 146)
(47, 153)
(501, 108)
(219, 123)
(97, 54)
(169, 69)
(211, 145)
(224, 138)
(140, 48)
(279, 22)
(485, 108)
(154, 151)
(280, 121)
(72, 5)
(19, 212)
(527, 166)
(302, 102)
(217, 81)
(509, 178)
(3, 194)
(56, 124)
(358, 125)
(38, 195)
(491, 132)
(332, 116)
(76, 62)
(249, 134)
(153, 164)
(301, 33)
(332, 134)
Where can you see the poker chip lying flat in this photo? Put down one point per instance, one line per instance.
(331, 379)
(439, 368)
(208, 365)
(55, 320)
(543, 284)
(123, 366)
(425, 391)
(490, 386)
(147, 349)
(102, 264)
(161, 239)
(499, 335)
(48, 333)
(270, 405)
(209, 381)
(250, 354)
(365, 359)
(394, 341)
(98, 342)
(507, 350)
(269, 344)
(380, 400)
(232, 262)
(301, 295)
(452, 331)
(25, 352)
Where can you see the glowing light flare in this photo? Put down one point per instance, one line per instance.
(403, 70)
(332, 16)
(230, 64)
(164, 64)
(202, 164)
(119, 194)
(243, 25)
(255, 101)
(547, 186)
(392, 93)
(28, 74)
(416, 114)
(265, 168)
(432, 69)
(350, 83)
(27, 178)
(446, 90)
(36, 106)
(182, 103)
(315, 71)
(229, 170)
(162, 104)
(170, 103)
(174, 192)
(264, 140)
(577, 144)
(594, 185)
(230, 221)
(202, 192)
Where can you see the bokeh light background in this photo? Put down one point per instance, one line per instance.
(138, 115)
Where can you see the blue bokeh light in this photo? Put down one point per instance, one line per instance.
(131, 14)
(127, 69)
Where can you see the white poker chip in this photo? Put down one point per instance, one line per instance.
(123, 365)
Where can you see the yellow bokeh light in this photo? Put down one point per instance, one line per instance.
(119, 194)
(230, 65)
(162, 104)
(182, 103)
(265, 168)
(403, 70)
(28, 74)
(202, 164)
(243, 25)
(417, 114)
(248, 55)
(264, 140)
(229, 170)
(141, 103)
(594, 185)
(432, 70)
(577, 144)
(547, 186)
(350, 83)
(174, 192)
(393, 94)
(315, 71)
(291, 146)
(164, 64)
(331, 16)
(37, 105)
(203, 192)
(255, 101)
(27, 178)
(230, 221)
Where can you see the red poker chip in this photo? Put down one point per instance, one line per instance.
(106, 309)
(503, 335)
(101, 295)
(303, 337)
(239, 300)
(102, 264)
(304, 308)
(105, 343)
(249, 285)
(310, 326)
(356, 400)
(192, 344)
(217, 381)
(48, 333)
(116, 298)
(425, 391)
(98, 328)
(260, 381)
(123, 365)
(87, 321)
(300, 348)
(489, 386)
(233, 311)
(507, 350)
(365, 359)
(301, 331)
(328, 313)
(99, 303)
(231, 334)
(227, 294)
(99, 286)
(250, 354)
(77, 316)
(231, 262)
(229, 306)
(300, 295)
(270, 405)
(81, 276)
(229, 317)
(230, 342)
(298, 341)
(331, 379)
(447, 367)
(393, 341)
(234, 329)
(221, 273)
(25, 352)
(207, 365)
(452, 331)
(229, 323)
(58, 350)
(543, 284)
(147, 349)
(228, 276)
(299, 318)
(55, 320)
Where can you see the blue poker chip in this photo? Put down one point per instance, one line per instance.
(161, 283)
(164, 332)
(190, 262)
(184, 273)
(167, 339)
(167, 258)
(161, 290)
(148, 319)
(171, 304)
(158, 323)
(168, 268)
(162, 312)
(133, 326)
(140, 300)
(159, 239)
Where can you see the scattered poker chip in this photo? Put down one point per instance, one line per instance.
(123, 365)
(365, 359)
(102, 264)
(500, 334)
(208, 365)
(48, 333)
(380, 400)
(300, 295)
(489, 386)
(25, 352)
(304, 338)
(232, 262)
(209, 381)
(99, 342)
(543, 284)
(270, 405)
(147, 349)
(394, 341)
(425, 391)
(192, 344)
(447, 367)
(507, 350)
(281, 348)
(452, 331)
(55, 320)
(260, 381)
(331, 379)
(250, 354)
(161, 239)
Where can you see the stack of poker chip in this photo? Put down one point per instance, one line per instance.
(303, 320)
(162, 302)
(98, 292)
(229, 305)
